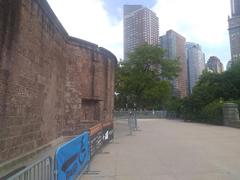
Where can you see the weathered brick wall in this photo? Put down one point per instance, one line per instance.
(50, 84)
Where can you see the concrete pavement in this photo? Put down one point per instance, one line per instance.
(169, 150)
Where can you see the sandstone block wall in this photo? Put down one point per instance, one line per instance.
(231, 115)
(51, 84)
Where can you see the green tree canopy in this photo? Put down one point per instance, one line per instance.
(212, 86)
(209, 94)
(143, 79)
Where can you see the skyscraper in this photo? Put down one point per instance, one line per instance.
(195, 64)
(214, 64)
(234, 29)
(235, 7)
(174, 44)
(140, 26)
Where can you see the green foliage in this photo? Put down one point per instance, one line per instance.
(213, 86)
(174, 104)
(157, 95)
(205, 104)
(232, 81)
(141, 81)
(212, 113)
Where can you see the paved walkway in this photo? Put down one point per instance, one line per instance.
(169, 150)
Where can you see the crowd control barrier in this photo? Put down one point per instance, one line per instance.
(72, 157)
(41, 170)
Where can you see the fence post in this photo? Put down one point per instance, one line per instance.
(135, 120)
(130, 122)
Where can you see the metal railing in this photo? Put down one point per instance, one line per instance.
(132, 121)
(41, 170)
(141, 114)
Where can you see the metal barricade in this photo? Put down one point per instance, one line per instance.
(132, 121)
(142, 114)
(41, 170)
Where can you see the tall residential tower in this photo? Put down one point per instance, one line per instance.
(140, 26)
(174, 44)
(234, 29)
(195, 64)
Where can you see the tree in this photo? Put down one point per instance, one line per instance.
(143, 79)
(205, 104)
(232, 76)
(212, 86)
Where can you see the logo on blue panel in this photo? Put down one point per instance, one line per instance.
(72, 157)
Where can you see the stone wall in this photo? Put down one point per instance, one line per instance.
(231, 115)
(51, 84)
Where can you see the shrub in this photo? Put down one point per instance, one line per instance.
(212, 113)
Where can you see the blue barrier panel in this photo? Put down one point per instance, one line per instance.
(72, 157)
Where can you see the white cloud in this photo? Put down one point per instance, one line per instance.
(87, 19)
(203, 22)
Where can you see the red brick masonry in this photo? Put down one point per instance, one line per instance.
(51, 84)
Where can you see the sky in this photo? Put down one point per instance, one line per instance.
(101, 22)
